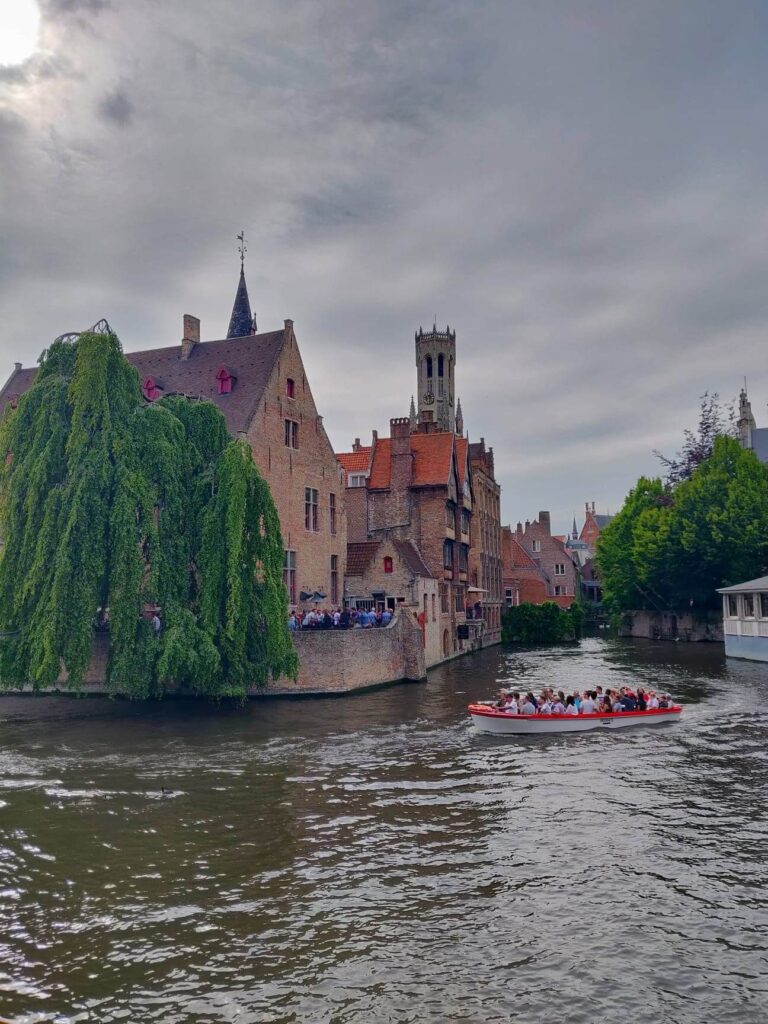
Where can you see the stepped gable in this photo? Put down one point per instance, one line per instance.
(249, 359)
(360, 556)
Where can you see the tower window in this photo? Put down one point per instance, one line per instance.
(440, 365)
(429, 366)
(290, 387)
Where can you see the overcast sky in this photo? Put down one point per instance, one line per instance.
(579, 188)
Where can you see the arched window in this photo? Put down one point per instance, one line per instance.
(440, 365)
(429, 366)
(387, 564)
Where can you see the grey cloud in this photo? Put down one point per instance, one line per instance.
(578, 189)
(117, 107)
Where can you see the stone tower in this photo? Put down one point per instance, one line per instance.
(746, 421)
(436, 367)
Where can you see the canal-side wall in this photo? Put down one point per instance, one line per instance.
(683, 626)
(330, 660)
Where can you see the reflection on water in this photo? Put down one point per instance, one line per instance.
(372, 859)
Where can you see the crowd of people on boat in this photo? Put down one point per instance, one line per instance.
(339, 618)
(588, 702)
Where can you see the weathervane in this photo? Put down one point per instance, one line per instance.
(242, 248)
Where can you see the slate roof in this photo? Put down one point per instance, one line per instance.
(360, 556)
(250, 359)
(241, 322)
(751, 586)
(602, 521)
(411, 556)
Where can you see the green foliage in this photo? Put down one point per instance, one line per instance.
(672, 547)
(109, 507)
(541, 623)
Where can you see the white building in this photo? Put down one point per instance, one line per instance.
(745, 619)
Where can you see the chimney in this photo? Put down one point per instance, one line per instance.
(593, 508)
(586, 507)
(374, 436)
(191, 336)
(544, 521)
(356, 446)
(288, 325)
(401, 458)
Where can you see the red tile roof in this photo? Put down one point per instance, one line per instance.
(462, 446)
(432, 455)
(249, 359)
(381, 465)
(355, 462)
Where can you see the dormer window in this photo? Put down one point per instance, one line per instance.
(290, 387)
(225, 380)
(152, 389)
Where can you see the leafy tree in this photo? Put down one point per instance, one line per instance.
(108, 507)
(714, 422)
(540, 623)
(671, 548)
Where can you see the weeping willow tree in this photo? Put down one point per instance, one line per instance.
(110, 507)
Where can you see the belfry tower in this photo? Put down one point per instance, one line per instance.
(436, 367)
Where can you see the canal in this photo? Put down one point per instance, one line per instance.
(369, 859)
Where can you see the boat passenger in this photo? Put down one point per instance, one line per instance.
(664, 701)
(528, 707)
(502, 699)
(545, 707)
(558, 707)
(616, 704)
(642, 704)
(588, 705)
(627, 700)
(570, 706)
(511, 705)
(561, 697)
(653, 701)
(598, 694)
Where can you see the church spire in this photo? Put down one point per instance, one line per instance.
(459, 419)
(574, 531)
(412, 415)
(241, 322)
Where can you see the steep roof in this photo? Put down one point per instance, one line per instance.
(602, 521)
(462, 448)
(360, 556)
(432, 459)
(241, 322)
(249, 359)
(411, 556)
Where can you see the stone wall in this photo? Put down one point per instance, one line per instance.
(340, 661)
(682, 626)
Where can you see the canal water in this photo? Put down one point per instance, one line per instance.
(370, 859)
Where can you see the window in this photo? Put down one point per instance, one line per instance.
(748, 604)
(733, 607)
(289, 575)
(559, 568)
(310, 509)
(764, 606)
(356, 480)
(440, 365)
(508, 596)
(388, 564)
(225, 381)
(429, 367)
(458, 599)
(334, 579)
(447, 554)
(558, 591)
(291, 434)
(332, 512)
(463, 555)
(450, 515)
(434, 608)
(465, 520)
(290, 387)
(536, 545)
(444, 597)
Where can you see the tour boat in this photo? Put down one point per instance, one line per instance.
(499, 723)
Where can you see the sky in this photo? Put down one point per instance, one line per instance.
(579, 188)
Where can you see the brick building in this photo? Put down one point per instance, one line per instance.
(593, 524)
(523, 580)
(259, 383)
(485, 555)
(552, 558)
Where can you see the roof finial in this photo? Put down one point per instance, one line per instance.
(242, 248)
